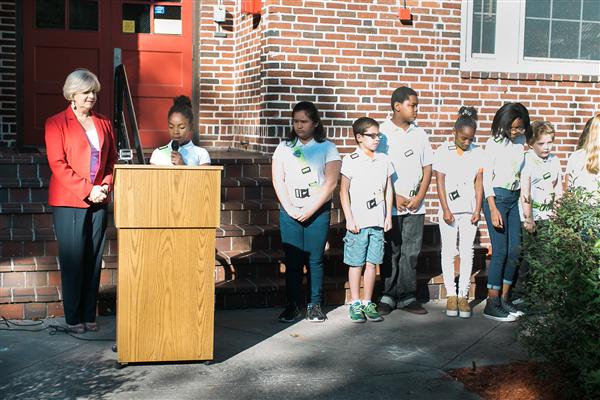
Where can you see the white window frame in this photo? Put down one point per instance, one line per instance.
(509, 46)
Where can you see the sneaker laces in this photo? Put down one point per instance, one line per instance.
(371, 308)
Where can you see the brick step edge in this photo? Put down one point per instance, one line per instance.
(272, 294)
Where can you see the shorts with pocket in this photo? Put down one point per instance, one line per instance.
(364, 246)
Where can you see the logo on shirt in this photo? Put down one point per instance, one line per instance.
(547, 175)
(305, 170)
(408, 153)
(371, 204)
(354, 155)
(302, 193)
(454, 195)
(297, 153)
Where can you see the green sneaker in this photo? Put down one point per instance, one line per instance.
(370, 311)
(356, 312)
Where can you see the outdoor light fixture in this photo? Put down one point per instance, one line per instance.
(252, 7)
(405, 15)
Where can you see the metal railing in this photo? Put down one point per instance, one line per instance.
(123, 103)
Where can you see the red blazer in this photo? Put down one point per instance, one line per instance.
(69, 156)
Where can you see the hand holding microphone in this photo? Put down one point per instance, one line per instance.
(176, 158)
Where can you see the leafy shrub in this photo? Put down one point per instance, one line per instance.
(563, 293)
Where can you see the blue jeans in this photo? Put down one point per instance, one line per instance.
(304, 244)
(506, 242)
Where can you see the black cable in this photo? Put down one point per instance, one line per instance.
(52, 329)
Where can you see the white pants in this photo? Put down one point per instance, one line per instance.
(465, 230)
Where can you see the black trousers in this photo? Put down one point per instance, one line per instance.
(81, 236)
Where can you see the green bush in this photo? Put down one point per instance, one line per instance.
(563, 293)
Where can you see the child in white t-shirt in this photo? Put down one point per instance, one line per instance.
(180, 150)
(584, 165)
(366, 195)
(541, 177)
(458, 166)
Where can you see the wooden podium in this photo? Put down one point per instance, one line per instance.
(166, 219)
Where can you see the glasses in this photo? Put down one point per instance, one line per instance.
(373, 135)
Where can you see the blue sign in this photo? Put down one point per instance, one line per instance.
(159, 9)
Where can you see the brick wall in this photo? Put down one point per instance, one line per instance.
(348, 57)
(8, 71)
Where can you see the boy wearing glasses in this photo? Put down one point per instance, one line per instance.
(366, 196)
(409, 150)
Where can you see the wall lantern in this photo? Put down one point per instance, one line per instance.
(405, 15)
(252, 7)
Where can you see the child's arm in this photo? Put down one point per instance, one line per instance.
(478, 197)
(345, 199)
(278, 174)
(440, 181)
(415, 202)
(389, 197)
(488, 185)
(528, 222)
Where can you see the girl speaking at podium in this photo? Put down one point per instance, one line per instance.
(180, 150)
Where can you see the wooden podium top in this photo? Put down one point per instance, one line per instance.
(151, 196)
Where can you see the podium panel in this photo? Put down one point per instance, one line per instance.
(166, 294)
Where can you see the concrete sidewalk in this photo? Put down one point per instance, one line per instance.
(256, 357)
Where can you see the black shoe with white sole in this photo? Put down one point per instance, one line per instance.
(512, 310)
(494, 310)
(314, 313)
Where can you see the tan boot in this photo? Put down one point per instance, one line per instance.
(451, 306)
(464, 308)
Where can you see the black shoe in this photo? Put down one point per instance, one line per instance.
(384, 308)
(414, 308)
(290, 314)
(512, 310)
(314, 313)
(494, 310)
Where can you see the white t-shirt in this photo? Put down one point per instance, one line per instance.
(460, 169)
(504, 161)
(92, 136)
(546, 176)
(191, 154)
(368, 178)
(409, 152)
(304, 168)
(578, 174)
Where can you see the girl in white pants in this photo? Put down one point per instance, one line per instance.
(458, 166)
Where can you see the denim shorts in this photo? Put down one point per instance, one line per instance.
(364, 246)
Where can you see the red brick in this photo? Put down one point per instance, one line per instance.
(36, 311)
(55, 309)
(12, 311)
(13, 279)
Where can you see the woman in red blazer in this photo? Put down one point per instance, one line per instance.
(81, 154)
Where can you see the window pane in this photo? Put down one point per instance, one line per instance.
(167, 20)
(83, 15)
(591, 10)
(50, 14)
(483, 39)
(476, 39)
(537, 8)
(565, 39)
(536, 37)
(136, 18)
(488, 37)
(566, 9)
(590, 41)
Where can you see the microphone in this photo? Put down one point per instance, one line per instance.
(175, 145)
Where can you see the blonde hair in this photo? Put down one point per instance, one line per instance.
(539, 128)
(80, 81)
(591, 146)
